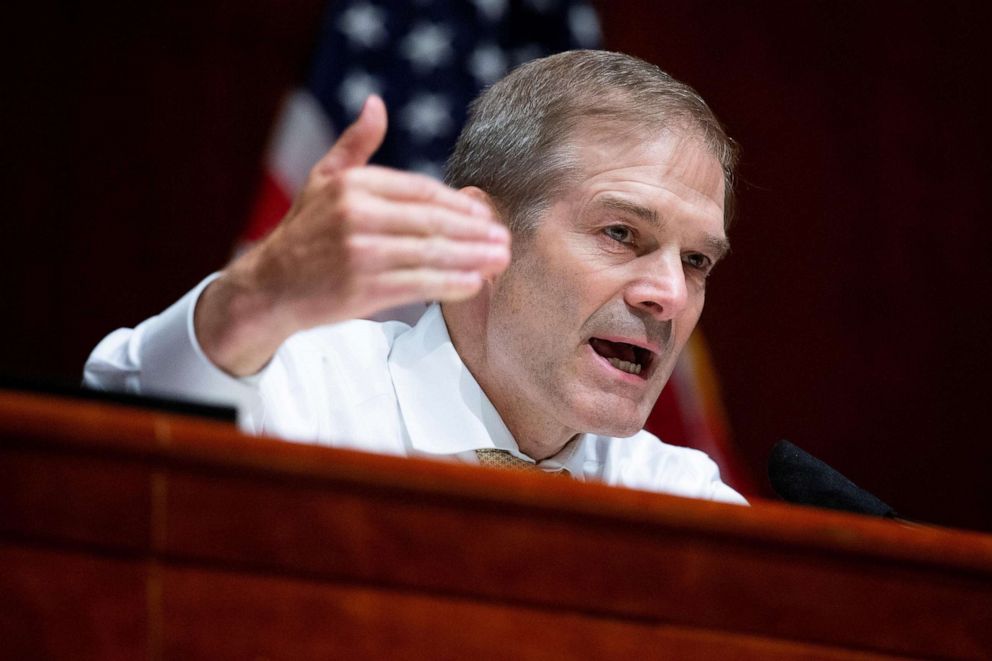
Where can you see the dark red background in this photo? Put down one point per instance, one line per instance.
(851, 318)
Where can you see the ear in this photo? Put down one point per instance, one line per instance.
(468, 320)
(482, 196)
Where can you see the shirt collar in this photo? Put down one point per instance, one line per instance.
(444, 409)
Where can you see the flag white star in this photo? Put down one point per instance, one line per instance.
(487, 63)
(355, 88)
(364, 25)
(492, 10)
(427, 46)
(584, 25)
(426, 116)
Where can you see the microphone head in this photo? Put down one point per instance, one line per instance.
(801, 478)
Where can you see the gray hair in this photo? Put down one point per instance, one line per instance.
(516, 143)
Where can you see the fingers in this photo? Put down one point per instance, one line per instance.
(408, 186)
(364, 238)
(359, 141)
(399, 287)
(380, 216)
(376, 253)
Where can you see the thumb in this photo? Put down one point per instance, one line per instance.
(359, 141)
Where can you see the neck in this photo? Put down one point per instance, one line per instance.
(537, 435)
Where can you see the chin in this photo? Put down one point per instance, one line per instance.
(620, 420)
(621, 430)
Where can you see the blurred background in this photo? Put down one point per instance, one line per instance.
(852, 317)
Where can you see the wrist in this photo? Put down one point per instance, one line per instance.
(237, 322)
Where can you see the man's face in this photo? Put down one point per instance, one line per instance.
(586, 323)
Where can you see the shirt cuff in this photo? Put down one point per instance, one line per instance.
(174, 365)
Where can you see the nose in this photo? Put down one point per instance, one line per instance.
(658, 287)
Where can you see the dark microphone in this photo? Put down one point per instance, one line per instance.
(801, 478)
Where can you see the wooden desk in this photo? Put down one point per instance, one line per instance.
(130, 534)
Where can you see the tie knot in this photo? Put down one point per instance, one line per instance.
(505, 460)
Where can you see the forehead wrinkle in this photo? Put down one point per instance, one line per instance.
(625, 206)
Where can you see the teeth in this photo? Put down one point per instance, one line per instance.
(630, 368)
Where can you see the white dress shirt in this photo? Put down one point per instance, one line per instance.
(379, 387)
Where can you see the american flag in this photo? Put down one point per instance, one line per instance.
(427, 59)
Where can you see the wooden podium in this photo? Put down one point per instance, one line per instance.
(131, 534)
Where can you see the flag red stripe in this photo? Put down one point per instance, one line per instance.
(270, 205)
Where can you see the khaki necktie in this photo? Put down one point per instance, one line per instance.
(505, 460)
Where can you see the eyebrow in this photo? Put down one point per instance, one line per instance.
(625, 206)
(719, 245)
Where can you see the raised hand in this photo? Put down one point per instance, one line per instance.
(358, 239)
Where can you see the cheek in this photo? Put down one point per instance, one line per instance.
(687, 321)
(540, 294)
(535, 314)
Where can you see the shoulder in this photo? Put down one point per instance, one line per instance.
(356, 340)
(350, 356)
(323, 384)
(357, 328)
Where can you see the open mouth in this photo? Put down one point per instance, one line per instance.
(623, 356)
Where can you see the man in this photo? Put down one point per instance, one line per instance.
(613, 180)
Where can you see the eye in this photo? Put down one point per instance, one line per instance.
(620, 233)
(698, 261)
